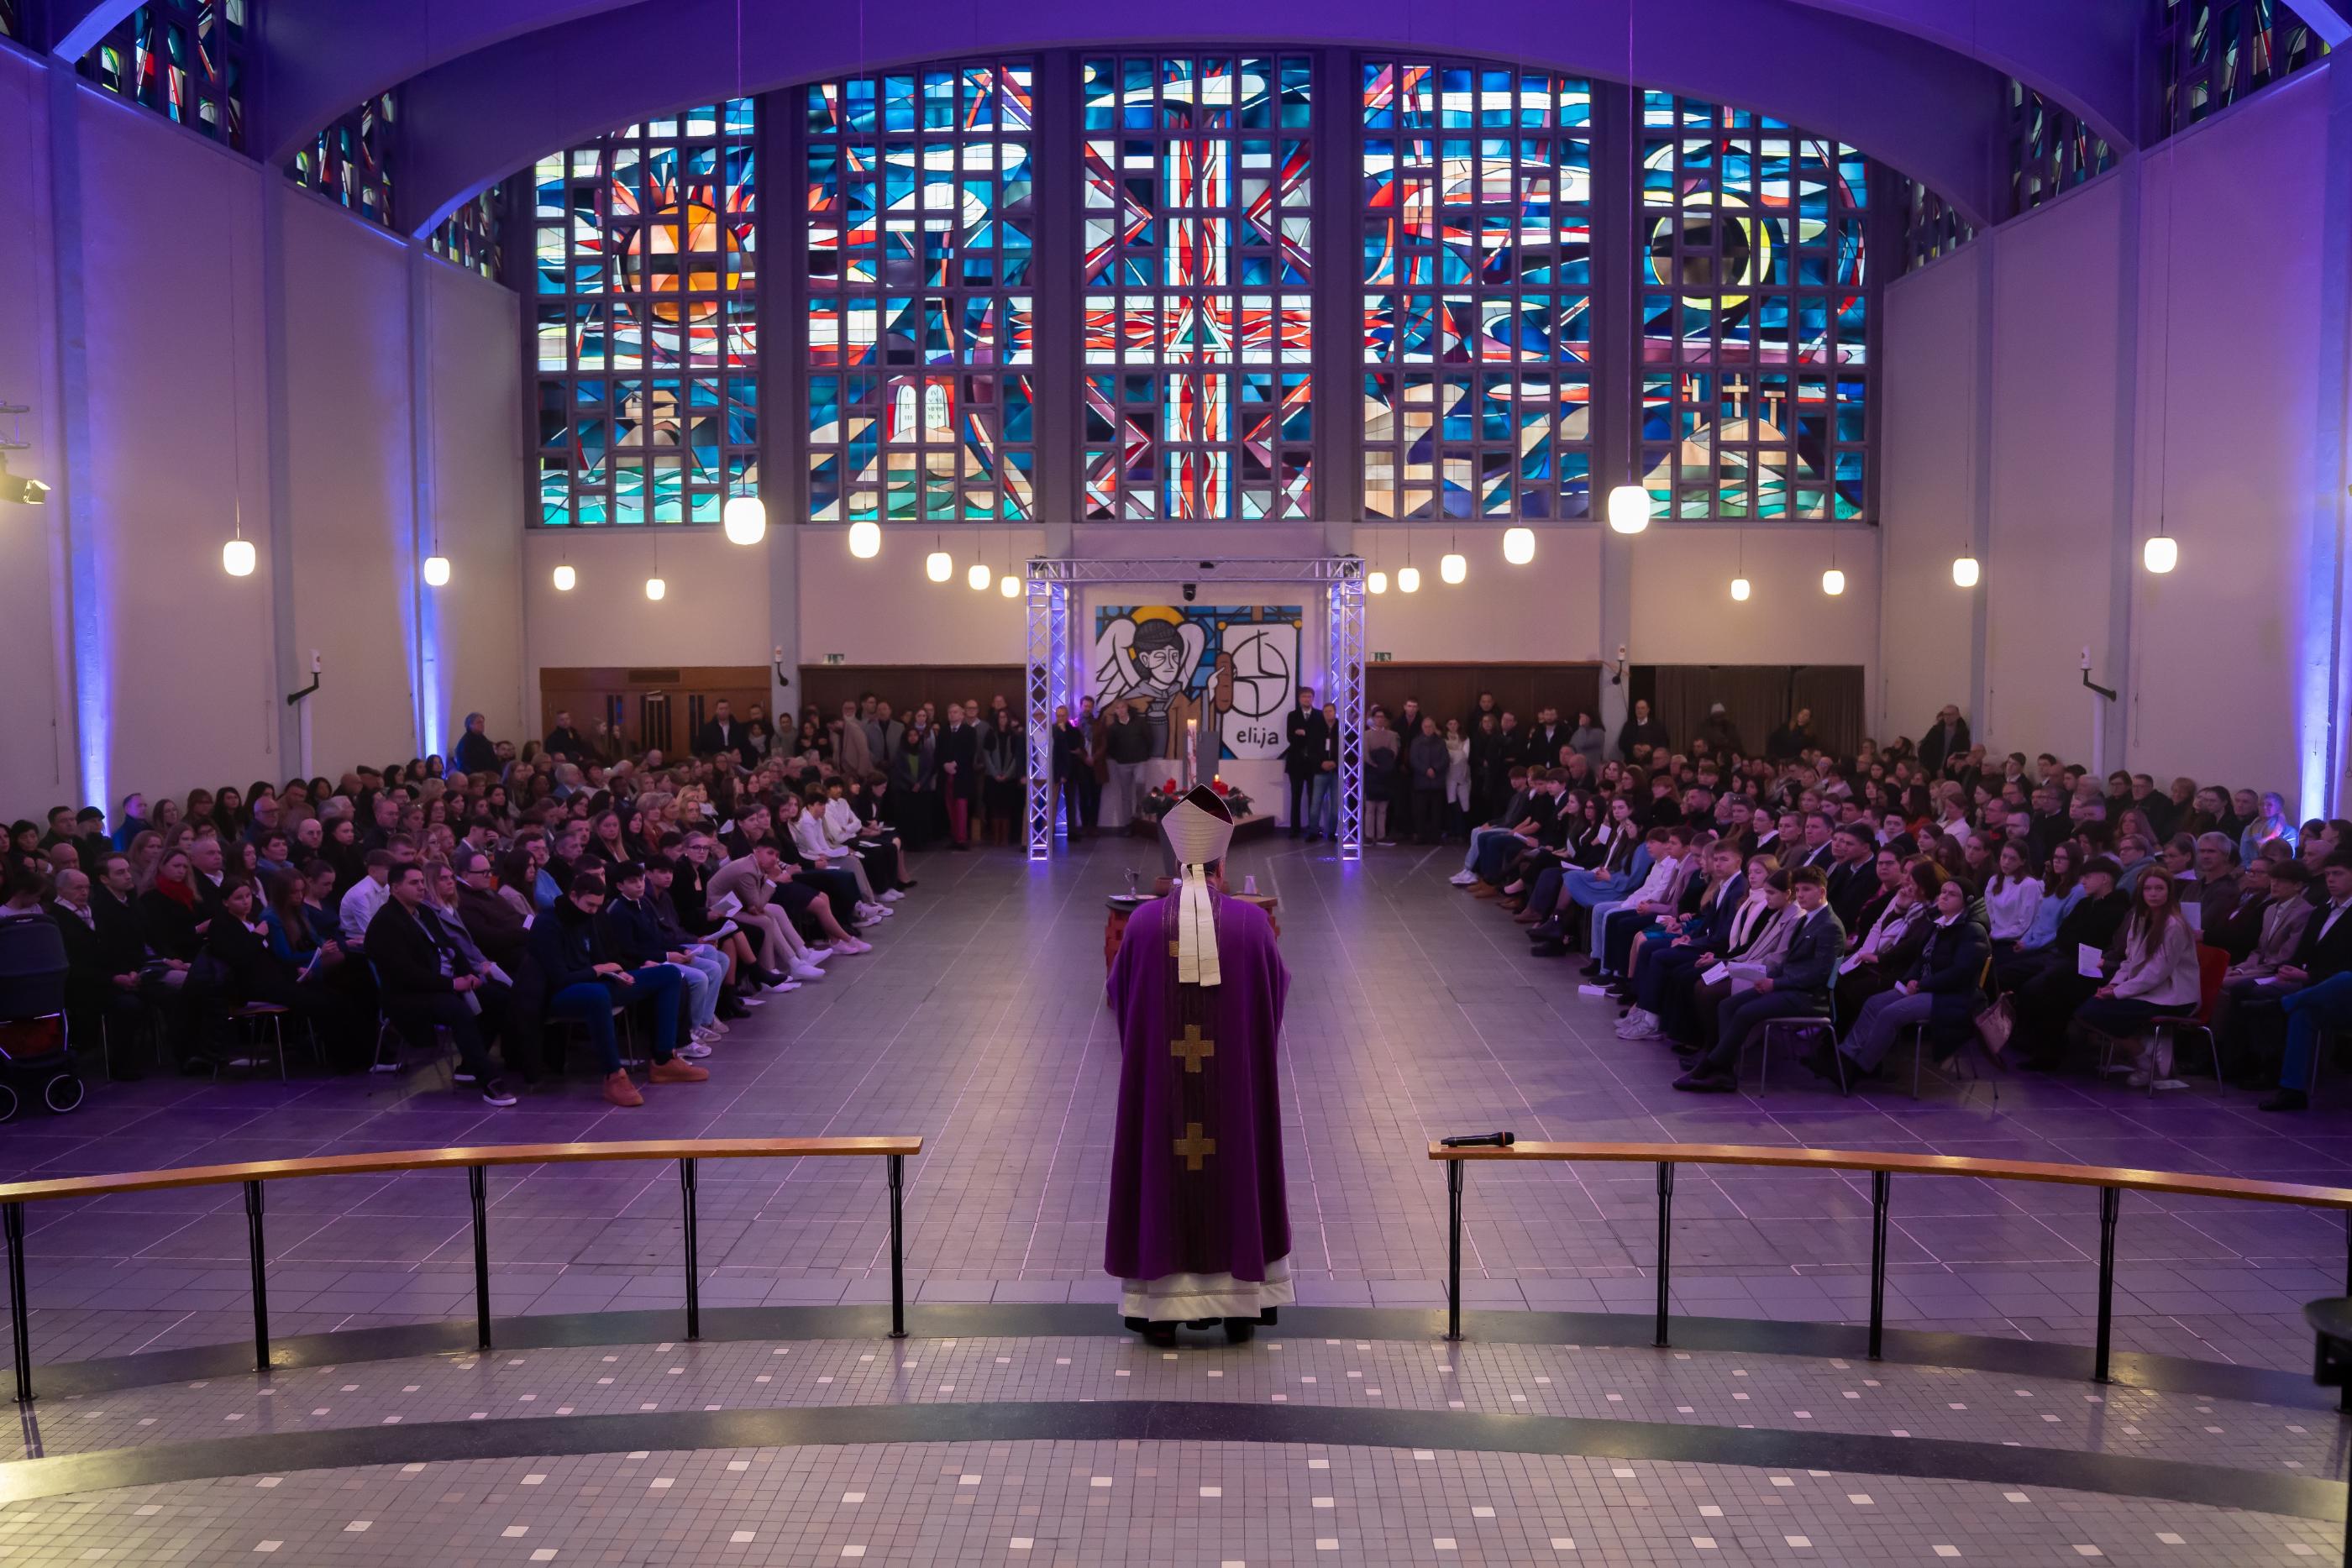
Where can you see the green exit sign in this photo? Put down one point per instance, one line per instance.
(837, 658)
(1380, 658)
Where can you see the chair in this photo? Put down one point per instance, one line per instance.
(1917, 1035)
(1798, 1024)
(2212, 963)
(255, 1014)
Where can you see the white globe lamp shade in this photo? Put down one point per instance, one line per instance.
(1376, 582)
(656, 588)
(978, 577)
(566, 579)
(1834, 582)
(745, 519)
(2160, 554)
(1741, 589)
(1409, 579)
(237, 557)
(1453, 569)
(436, 571)
(866, 540)
(939, 566)
(1629, 509)
(1518, 546)
(1008, 586)
(1966, 571)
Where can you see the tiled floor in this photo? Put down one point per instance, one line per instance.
(1678, 1388)
(1191, 1505)
(1414, 1012)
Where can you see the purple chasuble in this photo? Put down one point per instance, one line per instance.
(1196, 1169)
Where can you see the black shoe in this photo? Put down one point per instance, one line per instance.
(1544, 931)
(1700, 1082)
(1820, 1063)
(1161, 1336)
(495, 1092)
(2285, 1100)
(1592, 971)
(1314, 838)
(1239, 1330)
(1293, 830)
(1552, 949)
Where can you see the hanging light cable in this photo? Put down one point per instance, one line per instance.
(237, 554)
(1629, 504)
(2162, 553)
(745, 516)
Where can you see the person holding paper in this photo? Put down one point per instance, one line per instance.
(2157, 978)
(1759, 930)
(2047, 991)
(1796, 987)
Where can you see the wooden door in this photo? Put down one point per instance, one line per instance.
(651, 706)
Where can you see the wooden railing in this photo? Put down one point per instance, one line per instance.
(2113, 1182)
(476, 1163)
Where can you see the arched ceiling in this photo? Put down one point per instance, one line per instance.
(491, 83)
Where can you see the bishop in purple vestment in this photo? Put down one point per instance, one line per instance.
(1200, 1224)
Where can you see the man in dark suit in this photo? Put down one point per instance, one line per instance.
(426, 982)
(1304, 733)
(103, 959)
(2319, 1000)
(563, 740)
(1797, 986)
(1853, 871)
(1947, 738)
(1692, 946)
(719, 734)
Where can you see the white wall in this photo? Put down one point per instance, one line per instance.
(1683, 612)
(2097, 429)
(886, 612)
(715, 612)
(1548, 611)
(478, 477)
(1928, 412)
(37, 767)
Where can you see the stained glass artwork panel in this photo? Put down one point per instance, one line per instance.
(1476, 184)
(12, 19)
(646, 321)
(185, 59)
(2051, 150)
(474, 236)
(1932, 227)
(1754, 316)
(1197, 268)
(2214, 55)
(351, 161)
(919, 246)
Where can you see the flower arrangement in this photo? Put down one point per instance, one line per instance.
(1156, 803)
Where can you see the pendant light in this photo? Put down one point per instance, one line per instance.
(978, 577)
(1408, 575)
(1966, 571)
(865, 540)
(655, 587)
(1518, 546)
(436, 571)
(939, 566)
(1008, 586)
(1376, 581)
(566, 579)
(1833, 580)
(1741, 587)
(1451, 568)
(2161, 553)
(1629, 509)
(237, 554)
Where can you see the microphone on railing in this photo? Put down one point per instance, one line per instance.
(1481, 1141)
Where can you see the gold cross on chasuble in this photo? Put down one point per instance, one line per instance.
(1192, 1047)
(1193, 1147)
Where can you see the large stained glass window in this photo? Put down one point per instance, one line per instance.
(12, 19)
(185, 59)
(2051, 150)
(646, 322)
(1754, 303)
(351, 158)
(1478, 274)
(1198, 258)
(474, 236)
(2214, 55)
(921, 230)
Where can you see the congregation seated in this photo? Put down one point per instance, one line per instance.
(448, 903)
(2090, 914)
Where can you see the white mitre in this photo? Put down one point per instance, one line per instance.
(1199, 828)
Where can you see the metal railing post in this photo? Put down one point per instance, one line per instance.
(897, 1163)
(260, 1276)
(1665, 1242)
(1454, 1250)
(20, 1319)
(693, 1254)
(2110, 1205)
(1882, 1184)
(477, 1187)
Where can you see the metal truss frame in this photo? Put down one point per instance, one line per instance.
(1052, 673)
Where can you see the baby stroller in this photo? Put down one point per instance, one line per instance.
(35, 1056)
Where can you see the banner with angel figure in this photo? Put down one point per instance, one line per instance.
(1232, 667)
